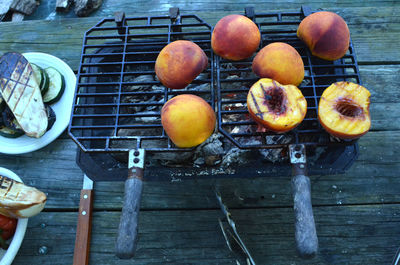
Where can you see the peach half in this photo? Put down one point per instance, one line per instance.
(281, 62)
(326, 35)
(235, 37)
(278, 108)
(344, 110)
(179, 63)
(188, 120)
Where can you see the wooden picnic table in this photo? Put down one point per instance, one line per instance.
(357, 213)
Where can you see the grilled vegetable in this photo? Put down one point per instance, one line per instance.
(20, 200)
(10, 127)
(42, 78)
(10, 133)
(56, 86)
(21, 92)
(51, 116)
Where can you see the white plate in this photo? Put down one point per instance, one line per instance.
(62, 108)
(8, 256)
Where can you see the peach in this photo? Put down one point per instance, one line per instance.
(235, 37)
(179, 63)
(326, 34)
(276, 107)
(343, 110)
(188, 120)
(281, 62)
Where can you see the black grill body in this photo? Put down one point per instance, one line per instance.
(110, 98)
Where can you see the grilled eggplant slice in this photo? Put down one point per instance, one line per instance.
(10, 127)
(10, 133)
(21, 92)
(51, 116)
(20, 200)
(56, 86)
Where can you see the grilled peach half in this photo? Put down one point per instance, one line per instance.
(188, 120)
(344, 110)
(281, 62)
(235, 37)
(326, 34)
(278, 108)
(179, 63)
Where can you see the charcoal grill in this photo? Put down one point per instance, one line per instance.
(118, 50)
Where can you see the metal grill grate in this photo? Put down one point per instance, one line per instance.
(118, 98)
(235, 78)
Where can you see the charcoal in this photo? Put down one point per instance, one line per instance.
(236, 157)
(276, 155)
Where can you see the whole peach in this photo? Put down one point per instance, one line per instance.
(235, 37)
(179, 63)
(281, 62)
(188, 120)
(326, 34)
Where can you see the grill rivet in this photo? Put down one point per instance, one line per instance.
(136, 153)
(136, 160)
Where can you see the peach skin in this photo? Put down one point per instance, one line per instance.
(179, 63)
(281, 62)
(326, 35)
(188, 120)
(235, 37)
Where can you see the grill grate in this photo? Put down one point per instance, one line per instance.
(235, 78)
(118, 98)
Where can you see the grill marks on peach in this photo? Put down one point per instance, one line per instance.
(276, 107)
(344, 110)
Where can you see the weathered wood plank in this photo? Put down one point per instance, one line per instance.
(375, 32)
(372, 179)
(111, 6)
(347, 235)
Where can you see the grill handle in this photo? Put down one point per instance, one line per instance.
(305, 232)
(128, 226)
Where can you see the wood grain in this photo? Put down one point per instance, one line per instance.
(374, 32)
(83, 229)
(364, 234)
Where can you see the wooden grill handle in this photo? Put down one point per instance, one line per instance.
(84, 228)
(128, 226)
(305, 232)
